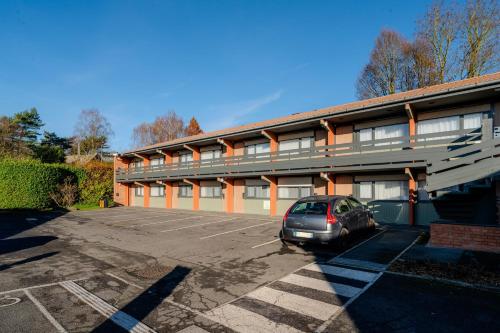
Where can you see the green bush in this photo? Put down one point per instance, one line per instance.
(97, 183)
(27, 184)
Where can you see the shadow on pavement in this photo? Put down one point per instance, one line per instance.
(22, 243)
(4, 267)
(141, 306)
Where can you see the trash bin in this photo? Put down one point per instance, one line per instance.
(103, 203)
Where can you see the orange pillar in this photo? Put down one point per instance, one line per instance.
(196, 194)
(229, 195)
(147, 191)
(331, 185)
(412, 198)
(168, 157)
(273, 195)
(126, 200)
(168, 194)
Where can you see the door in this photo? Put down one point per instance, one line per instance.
(360, 215)
(345, 214)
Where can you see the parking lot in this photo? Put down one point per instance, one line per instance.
(133, 269)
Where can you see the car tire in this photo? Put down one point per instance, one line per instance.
(283, 241)
(343, 239)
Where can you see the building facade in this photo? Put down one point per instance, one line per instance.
(400, 154)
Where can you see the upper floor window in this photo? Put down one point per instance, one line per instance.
(185, 158)
(383, 132)
(157, 161)
(447, 124)
(302, 143)
(260, 148)
(138, 164)
(211, 154)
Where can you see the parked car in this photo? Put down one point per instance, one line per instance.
(325, 219)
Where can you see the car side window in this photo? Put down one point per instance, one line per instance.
(342, 207)
(354, 203)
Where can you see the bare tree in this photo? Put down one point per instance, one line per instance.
(92, 131)
(163, 128)
(385, 72)
(439, 28)
(480, 35)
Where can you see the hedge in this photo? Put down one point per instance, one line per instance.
(27, 184)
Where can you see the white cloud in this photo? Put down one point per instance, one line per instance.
(233, 114)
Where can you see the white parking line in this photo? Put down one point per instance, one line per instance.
(125, 281)
(162, 222)
(46, 313)
(197, 225)
(231, 231)
(37, 286)
(266, 243)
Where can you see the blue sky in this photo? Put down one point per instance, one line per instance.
(225, 62)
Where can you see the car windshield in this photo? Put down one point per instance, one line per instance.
(311, 207)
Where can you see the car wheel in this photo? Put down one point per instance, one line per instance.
(283, 241)
(343, 239)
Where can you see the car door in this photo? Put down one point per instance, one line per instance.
(344, 212)
(360, 220)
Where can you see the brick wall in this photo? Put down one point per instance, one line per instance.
(120, 195)
(471, 237)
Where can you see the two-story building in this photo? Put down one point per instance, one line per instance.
(408, 156)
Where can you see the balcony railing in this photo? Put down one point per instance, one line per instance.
(397, 152)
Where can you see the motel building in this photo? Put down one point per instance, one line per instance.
(424, 157)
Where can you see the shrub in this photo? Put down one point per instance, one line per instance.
(27, 184)
(97, 184)
(66, 193)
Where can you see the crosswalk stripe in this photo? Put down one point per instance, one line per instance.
(120, 318)
(244, 321)
(344, 272)
(330, 287)
(302, 305)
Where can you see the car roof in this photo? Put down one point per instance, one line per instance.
(322, 198)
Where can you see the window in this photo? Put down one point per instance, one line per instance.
(157, 191)
(294, 192)
(138, 164)
(185, 158)
(438, 125)
(365, 190)
(211, 154)
(139, 191)
(157, 161)
(302, 143)
(185, 191)
(257, 191)
(342, 207)
(211, 191)
(354, 203)
(260, 148)
(310, 208)
(383, 132)
(473, 121)
(383, 190)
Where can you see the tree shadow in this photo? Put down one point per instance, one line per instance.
(4, 267)
(23, 243)
(145, 303)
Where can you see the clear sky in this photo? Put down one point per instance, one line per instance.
(225, 62)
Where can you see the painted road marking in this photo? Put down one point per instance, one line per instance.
(162, 222)
(197, 225)
(266, 243)
(303, 305)
(9, 301)
(329, 287)
(116, 316)
(193, 329)
(46, 313)
(343, 272)
(124, 281)
(38, 286)
(244, 321)
(231, 231)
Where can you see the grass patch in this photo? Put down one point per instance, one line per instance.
(85, 206)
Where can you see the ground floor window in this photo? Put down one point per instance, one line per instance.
(257, 192)
(157, 191)
(185, 191)
(383, 190)
(294, 192)
(211, 191)
(139, 191)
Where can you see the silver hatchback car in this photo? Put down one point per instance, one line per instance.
(324, 219)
